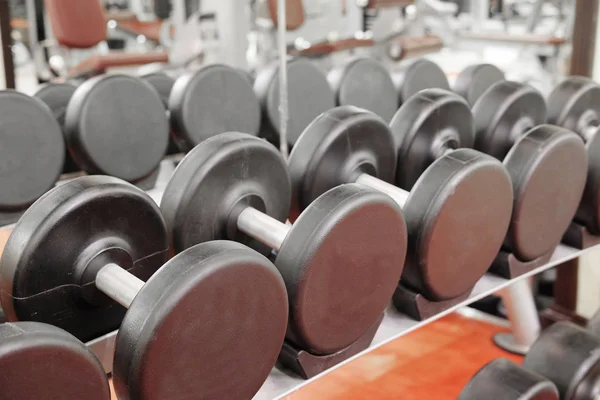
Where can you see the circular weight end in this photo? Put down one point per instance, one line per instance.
(365, 83)
(566, 354)
(52, 245)
(588, 213)
(573, 104)
(39, 361)
(419, 75)
(425, 127)
(163, 84)
(503, 114)
(32, 151)
(116, 125)
(341, 262)
(214, 312)
(213, 100)
(309, 95)
(503, 379)
(473, 81)
(336, 148)
(216, 178)
(457, 217)
(548, 168)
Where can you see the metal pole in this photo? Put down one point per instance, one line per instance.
(118, 284)
(283, 89)
(262, 227)
(522, 313)
(400, 196)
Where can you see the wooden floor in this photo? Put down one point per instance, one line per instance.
(432, 363)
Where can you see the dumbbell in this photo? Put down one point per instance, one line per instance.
(594, 324)
(32, 151)
(573, 105)
(547, 164)
(340, 261)
(474, 80)
(309, 95)
(502, 379)
(57, 97)
(569, 356)
(364, 83)
(457, 213)
(212, 100)
(216, 311)
(42, 362)
(416, 75)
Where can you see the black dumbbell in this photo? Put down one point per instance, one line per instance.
(547, 164)
(210, 101)
(57, 97)
(416, 75)
(474, 80)
(573, 104)
(42, 362)
(215, 311)
(502, 379)
(340, 261)
(116, 125)
(367, 84)
(309, 95)
(569, 356)
(457, 214)
(32, 152)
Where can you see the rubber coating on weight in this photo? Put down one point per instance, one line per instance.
(216, 179)
(163, 84)
(42, 362)
(502, 379)
(565, 353)
(548, 168)
(216, 312)
(341, 262)
(574, 104)
(309, 95)
(416, 76)
(474, 80)
(57, 239)
(116, 125)
(213, 100)
(32, 151)
(365, 83)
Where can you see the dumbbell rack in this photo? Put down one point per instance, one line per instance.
(394, 325)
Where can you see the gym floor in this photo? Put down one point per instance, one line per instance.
(432, 363)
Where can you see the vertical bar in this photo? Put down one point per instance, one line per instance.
(584, 37)
(522, 313)
(283, 94)
(6, 45)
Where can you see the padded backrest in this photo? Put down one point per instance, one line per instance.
(294, 13)
(76, 24)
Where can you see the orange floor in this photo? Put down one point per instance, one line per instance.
(434, 363)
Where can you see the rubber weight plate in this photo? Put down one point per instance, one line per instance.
(574, 105)
(42, 362)
(502, 379)
(341, 262)
(216, 312)
(569, 356)
(163, 84)
(57, 97)
(425, 127)
(416, 76)
(41, 270)
(213, 100)
(548, 169)
(217, 177)
(503, 114)
(473, 81)
(32, 151)
(365, 83)
(116, 125)
(309, 95)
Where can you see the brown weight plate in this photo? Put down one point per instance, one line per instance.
(474, 80)
(418, 75)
